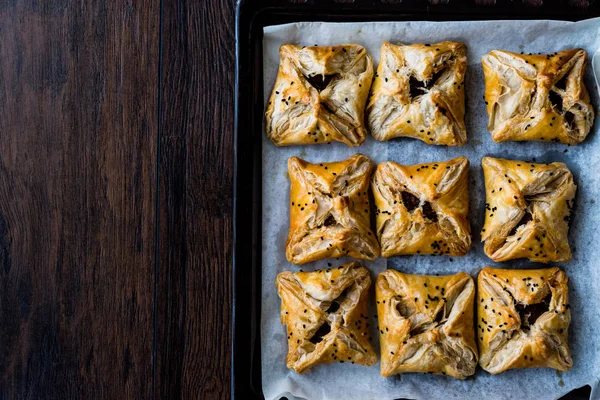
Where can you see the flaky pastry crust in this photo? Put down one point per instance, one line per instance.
(326, 316)
(419, 92)
(329, 210)
(523, 319)
(538, 96)
(426, 324)
(528, 208)
(319, 95)
(423, 209)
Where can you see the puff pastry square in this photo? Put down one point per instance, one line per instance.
(319, 95)
(423, 209)
(537, 97)
(528, 208)
(426, 324)
(326, 316)
(419, 92)
(523, 319)
(329, 210)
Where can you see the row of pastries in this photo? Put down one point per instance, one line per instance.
(322, 93)
(426, 322)
(424, 209)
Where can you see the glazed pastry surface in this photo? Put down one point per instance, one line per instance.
(330, 211)
(537, 97)
(528, 208)
(419, 92)
(423, 209)
(523, 319)
(426, 324)
(319, 95)
(325, 313)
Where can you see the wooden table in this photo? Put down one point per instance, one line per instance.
(116, 176)
(116, 180)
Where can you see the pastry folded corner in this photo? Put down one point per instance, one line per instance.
(527, 211)
(537, 96)
(419, 92)
(423, 209)
(326, 317)
(319, 95)
(426, 324)
(523, 319)
(329, 210)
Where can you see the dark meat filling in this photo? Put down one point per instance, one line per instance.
(330, 221)
(320, 333)
(410, 201)
(526, 218)
(529, 313)
(439, 316)
(557, 101)
(335, 305)
(320, 82)
(429, 213)
(418, 87)
(562, 82)
(417, 330)
(570, 119)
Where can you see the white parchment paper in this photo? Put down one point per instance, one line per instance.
(347, 381)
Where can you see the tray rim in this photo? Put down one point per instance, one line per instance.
(244, 388)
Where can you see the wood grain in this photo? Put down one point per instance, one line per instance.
(78, 131)
(196, 185)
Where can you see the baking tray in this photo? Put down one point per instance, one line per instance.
(251, 17)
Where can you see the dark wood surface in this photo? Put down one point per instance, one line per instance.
(78, 140)
(116, 180)
(196, 188)
(90, 305)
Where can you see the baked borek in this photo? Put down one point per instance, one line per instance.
(419, 92)
(523, 319)
(426, 324)
(537, 97)
(528, 208)
(329, 210)
(319, 95)
(326, 316)
(423, 209)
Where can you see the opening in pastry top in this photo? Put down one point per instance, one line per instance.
(527, 217)
(418, 87)
(320, 333)
(529, 313)
(412, 202)
(320, 82)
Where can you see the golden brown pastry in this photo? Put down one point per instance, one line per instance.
(423, 209)
(426, 324)
(329, 210)
(523, 319)
(537, 97)
(528, 207)
(326, 316)
(319, 95)
(419, 92)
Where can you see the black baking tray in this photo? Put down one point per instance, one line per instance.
(251, 17)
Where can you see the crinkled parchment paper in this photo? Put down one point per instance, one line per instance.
(347, 381)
